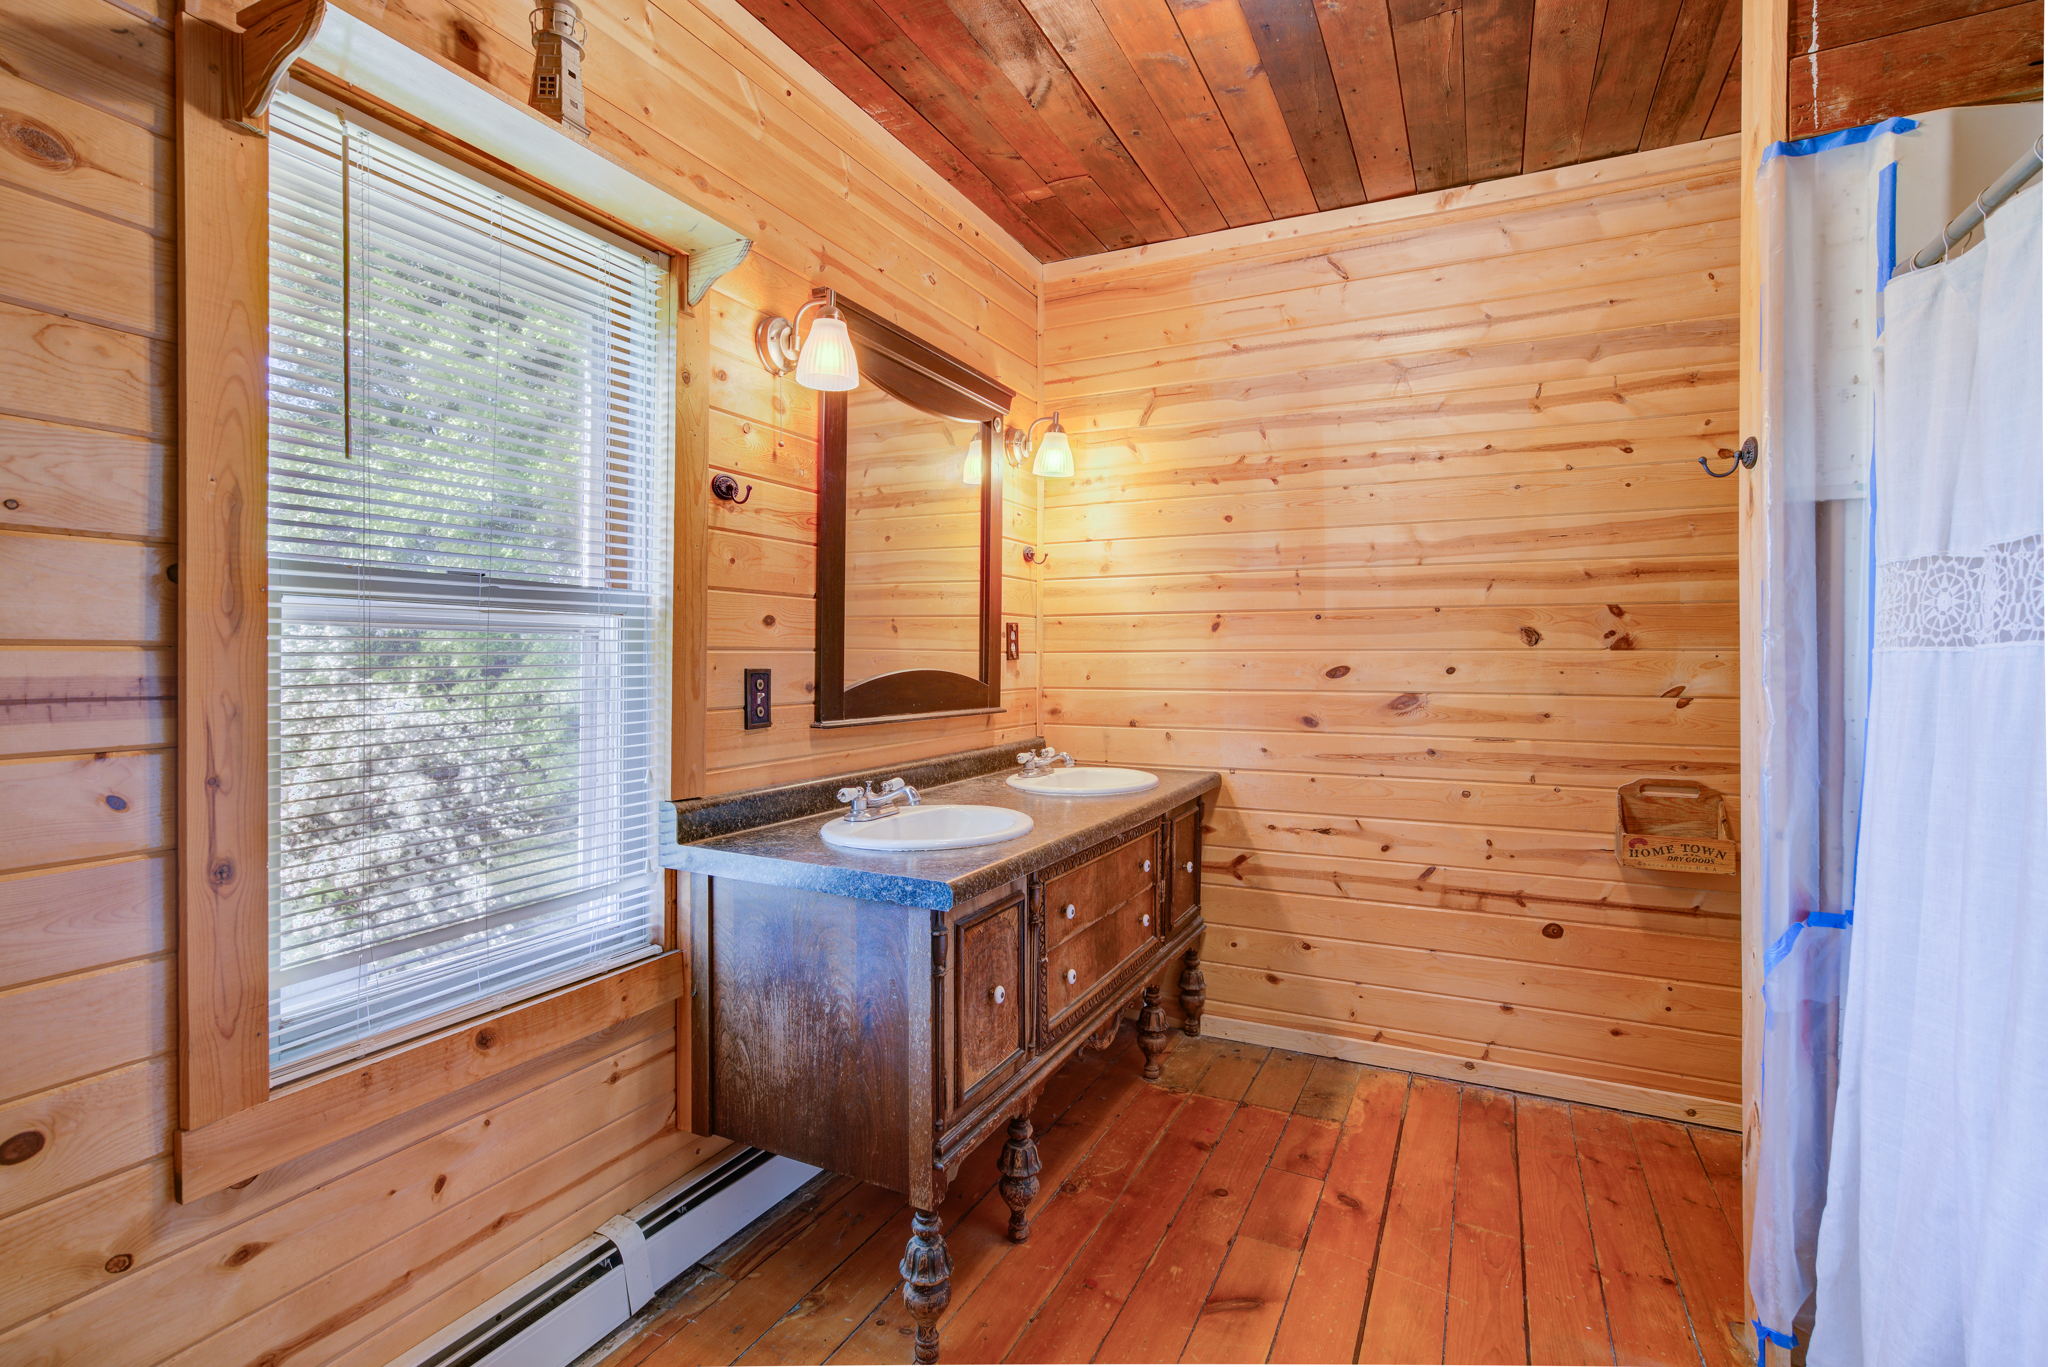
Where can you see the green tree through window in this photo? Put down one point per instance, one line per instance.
(467, 477)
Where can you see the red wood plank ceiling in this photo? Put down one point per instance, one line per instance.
(1088, 125)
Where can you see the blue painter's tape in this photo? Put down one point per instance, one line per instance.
(1887, 230)
(1819, 920)
(1844, 137)
(1767, 1337)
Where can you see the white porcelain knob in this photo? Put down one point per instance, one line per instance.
(1148, 866)
(1071, 975)
(1068, 911)
(1188, 867)
(1146, 919)
(998, 995)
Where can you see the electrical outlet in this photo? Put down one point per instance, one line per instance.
(758, 701)
(1012, 649)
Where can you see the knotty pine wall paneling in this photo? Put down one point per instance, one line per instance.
(1392, 514)
(356, 1252)
(762, 599)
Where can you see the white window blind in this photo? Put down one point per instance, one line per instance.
(469, 440)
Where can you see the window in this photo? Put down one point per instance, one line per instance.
(467, 491)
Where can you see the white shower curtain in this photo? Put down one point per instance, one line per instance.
(1933, 1244)
(1827, 206)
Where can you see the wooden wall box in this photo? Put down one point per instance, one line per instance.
(1673, 825)
(886, 1042)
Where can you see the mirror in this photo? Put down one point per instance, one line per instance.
(909, 585)
(913, 540)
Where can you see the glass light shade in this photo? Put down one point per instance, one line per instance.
(970, 464)
(827, 361)
(1055, 456)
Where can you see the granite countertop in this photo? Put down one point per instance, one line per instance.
(791, 854)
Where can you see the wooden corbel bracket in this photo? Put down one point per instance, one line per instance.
(273, 33)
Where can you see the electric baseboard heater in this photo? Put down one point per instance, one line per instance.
(573, 1302)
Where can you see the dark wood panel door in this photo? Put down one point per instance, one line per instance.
(988, 1008)
(1184, 873)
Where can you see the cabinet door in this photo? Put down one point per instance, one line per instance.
(988, 1008)
(1184, 884)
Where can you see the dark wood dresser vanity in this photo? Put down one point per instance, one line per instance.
(881, 1014)
(886, 1041)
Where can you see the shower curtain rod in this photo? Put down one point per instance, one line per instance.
(1970, 219)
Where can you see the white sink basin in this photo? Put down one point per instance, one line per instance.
(937, 826)
(1085, 782)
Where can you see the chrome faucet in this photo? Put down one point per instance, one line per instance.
(1044, 760)
(872, 804)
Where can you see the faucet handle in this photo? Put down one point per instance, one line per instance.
(1026, 757)
(849, 795)
(894, 785)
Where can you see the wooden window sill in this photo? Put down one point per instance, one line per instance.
(303, 1116)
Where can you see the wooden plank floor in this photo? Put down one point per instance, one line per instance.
(1262, 1206)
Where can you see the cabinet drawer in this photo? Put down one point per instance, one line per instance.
(1077, 899)
(1089, 958)
(1184, 872)
(988, 1010)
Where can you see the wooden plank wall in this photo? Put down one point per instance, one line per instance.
(355, 1252)
(1857, 61)
(762, 609)
(1393, 515)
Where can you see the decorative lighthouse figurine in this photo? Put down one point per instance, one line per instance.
(558, 62)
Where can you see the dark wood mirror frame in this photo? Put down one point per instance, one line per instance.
(928, 379)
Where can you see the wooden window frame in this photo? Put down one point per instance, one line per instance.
(232, 1122)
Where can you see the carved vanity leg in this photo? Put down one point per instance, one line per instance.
(1152, 1032)
(1194, 990)
(1019, 1168)
(927, 1270)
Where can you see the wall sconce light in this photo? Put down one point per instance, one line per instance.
(1055, 459)
(824, 359)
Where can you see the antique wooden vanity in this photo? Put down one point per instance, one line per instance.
(881, 1014)
(884, 1029)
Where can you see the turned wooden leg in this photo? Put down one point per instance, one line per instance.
(1194, 990)
(1018, 1165)
(1152, 1032)
(927, 1281)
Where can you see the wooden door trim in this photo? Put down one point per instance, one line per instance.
(1764, 67)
